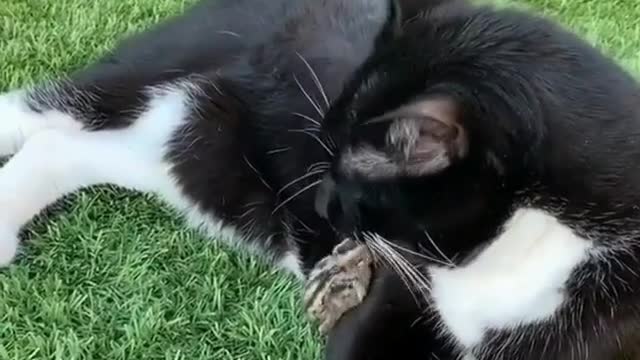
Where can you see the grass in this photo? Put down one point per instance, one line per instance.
(118, 276)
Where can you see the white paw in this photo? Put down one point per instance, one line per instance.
(8, 246)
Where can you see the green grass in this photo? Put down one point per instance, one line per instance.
(118, 276)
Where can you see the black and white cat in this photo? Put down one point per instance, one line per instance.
(495, 157)
(486, 156)
(218, 111)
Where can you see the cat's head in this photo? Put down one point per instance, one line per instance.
(425, 131)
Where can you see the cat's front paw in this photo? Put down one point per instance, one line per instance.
(8, 246)
(338, 283)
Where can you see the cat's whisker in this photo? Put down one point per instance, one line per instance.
(295, 195)
(309, 98)
(445, 257)
(305, 226)
(316, 138)
(308, 118)
(412, 282)
(298, 179)
(331, 142)
(253, 168)
(316, 80)
(278, 150)
(416, 280)
(379, 256)
(249, 226)
(427, 251)
(321, 165)
(253, 203)
(228, 32)
(247, 212)
(415, 253)
(312, 129)
(418, 277)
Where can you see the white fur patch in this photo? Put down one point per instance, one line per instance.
(18, 122)
(291, 263)
(518, 279)
(54, 157)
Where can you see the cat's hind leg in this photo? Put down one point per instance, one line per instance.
(55, 161)
(20, 118)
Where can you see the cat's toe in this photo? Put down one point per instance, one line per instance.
(338, 283)
(8, 247)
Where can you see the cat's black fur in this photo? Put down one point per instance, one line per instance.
(548, 122)
(518, 111)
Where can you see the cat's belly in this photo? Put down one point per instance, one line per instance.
(517, 280)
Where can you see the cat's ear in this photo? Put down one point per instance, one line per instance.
(421, 138)
(426, 136)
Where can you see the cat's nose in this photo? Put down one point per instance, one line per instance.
(323, 196)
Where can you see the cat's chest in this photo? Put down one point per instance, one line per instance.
(518, 278)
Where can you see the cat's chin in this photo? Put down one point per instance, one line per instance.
(8, 246)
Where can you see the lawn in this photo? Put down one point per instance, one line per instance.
(118, 276)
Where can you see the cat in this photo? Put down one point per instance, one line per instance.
(491, 157)
(217, 110)
(480, 158)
